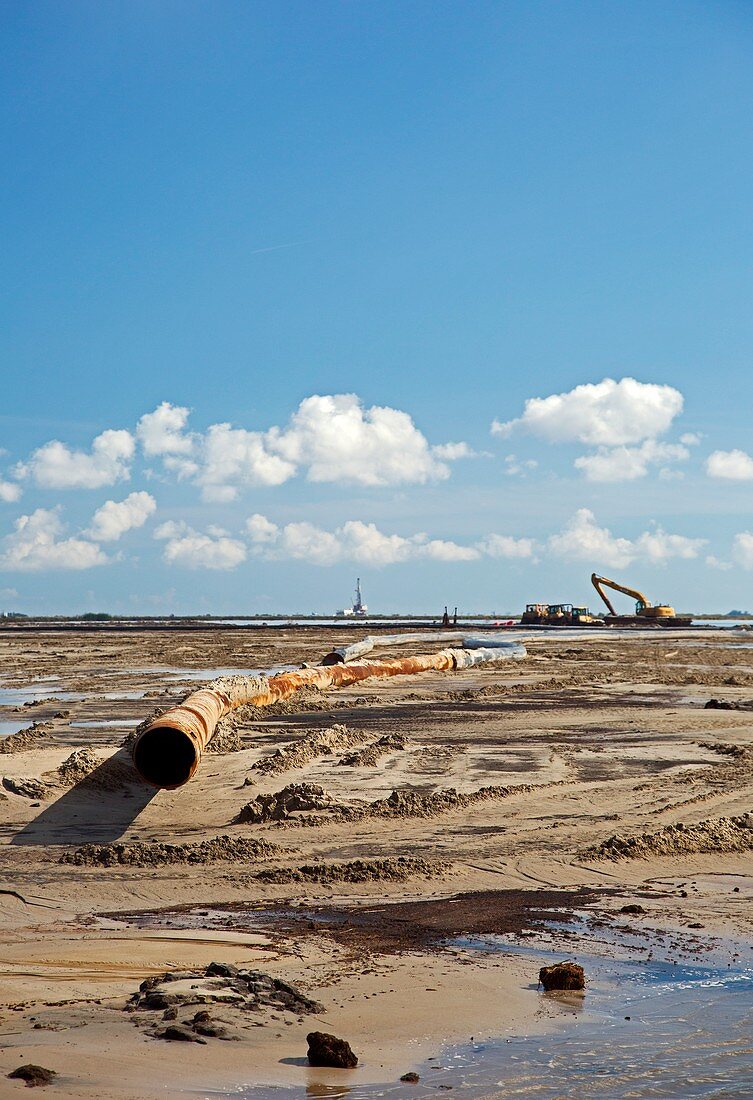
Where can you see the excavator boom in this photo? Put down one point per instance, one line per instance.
(643, 606)
(597, 582)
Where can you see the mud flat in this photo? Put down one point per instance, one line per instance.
(461, 831)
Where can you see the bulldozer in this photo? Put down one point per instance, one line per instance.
(659, 614)
(557, 614)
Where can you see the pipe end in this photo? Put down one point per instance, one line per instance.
(165, 756)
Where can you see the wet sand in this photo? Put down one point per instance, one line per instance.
(358, 901)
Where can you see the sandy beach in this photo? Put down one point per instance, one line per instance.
(588, 777)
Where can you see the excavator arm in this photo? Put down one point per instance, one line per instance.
(640, 599)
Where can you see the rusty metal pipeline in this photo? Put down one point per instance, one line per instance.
(169, 749)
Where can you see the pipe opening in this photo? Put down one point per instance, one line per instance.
(165, 756)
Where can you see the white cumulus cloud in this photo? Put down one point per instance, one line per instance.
(334, 439)
(742, 549)
(601, 414)
(260, 529)
(583, 539)
(56, 466)
(629, 463)
(353, 541)
(162, 432)
(505, 546)
(731, 465)
(233, 457)
(515, 467)
(193, 550)
(35, 545)
(658, 546)
(338, 440)
(453, 451)
(9, 492)
(306, 542)
(717, 563)
(114, 518)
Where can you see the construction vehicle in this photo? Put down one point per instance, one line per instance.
(557, 614)
(660, 614)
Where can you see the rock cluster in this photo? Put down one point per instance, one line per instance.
(221, 983)
(196, 1030)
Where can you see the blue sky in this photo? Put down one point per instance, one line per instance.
(444, 209)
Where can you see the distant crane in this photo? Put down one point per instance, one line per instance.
(359, 609)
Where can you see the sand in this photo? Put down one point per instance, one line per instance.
(494, 799)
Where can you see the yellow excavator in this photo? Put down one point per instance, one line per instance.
(644, 609)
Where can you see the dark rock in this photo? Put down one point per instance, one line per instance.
(410, 1078)
(720, 704)
(632, 909)
(202, 1017)
(170, 1014)
(34, 1076)
(328, 1050)
(222, 970)
(211, 1030)
(565, 975)
(179, 1033)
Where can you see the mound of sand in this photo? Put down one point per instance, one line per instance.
(281, 806)
(294, 798)
(358, 870)
(226, 739)
(305, 701)
(27, 787)
(311, 747)
(76, 767)
(220, 849)
(26, 739)
(721, 834)
(370, 756)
